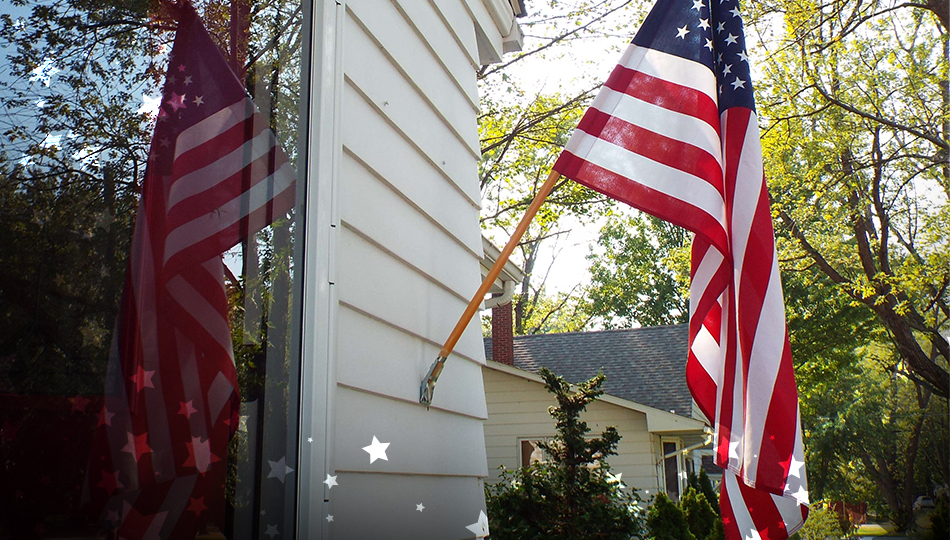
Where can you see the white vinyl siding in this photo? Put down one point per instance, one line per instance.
(404, 254)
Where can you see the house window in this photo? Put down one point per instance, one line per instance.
(671, 469)
(148, 381)
(531, 452)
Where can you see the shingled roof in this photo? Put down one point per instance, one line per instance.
(644, 365)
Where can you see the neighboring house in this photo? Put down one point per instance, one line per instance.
(646, 398)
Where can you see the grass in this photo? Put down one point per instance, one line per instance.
(877, 529)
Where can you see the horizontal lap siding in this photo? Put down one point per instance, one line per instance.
(390, 361)
(458, 20)
(517, 409)
(431, 250)
(364, 499)
(407, 254)
(374, 282)
(370, 69)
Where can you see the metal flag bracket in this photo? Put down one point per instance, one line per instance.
(428, 384)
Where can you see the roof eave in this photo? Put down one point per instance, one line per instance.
(658, 421)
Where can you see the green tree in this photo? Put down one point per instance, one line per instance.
(856, 148)
(523, 129)
(700, 516)
(703, 485)
(855, 105)
(639, 273)
(571, 495)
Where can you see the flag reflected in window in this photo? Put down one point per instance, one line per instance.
(148, 381)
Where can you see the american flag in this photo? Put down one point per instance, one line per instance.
(215, 176)
(674, 132)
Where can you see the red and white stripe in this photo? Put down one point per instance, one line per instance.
(654, 139)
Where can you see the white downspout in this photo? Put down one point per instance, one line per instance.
(508, 292)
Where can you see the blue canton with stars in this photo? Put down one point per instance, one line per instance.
(711, 36)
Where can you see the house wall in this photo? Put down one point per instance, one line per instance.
(517, 410)
(401, 262)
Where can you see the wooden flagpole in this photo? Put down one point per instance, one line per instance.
(428, 385)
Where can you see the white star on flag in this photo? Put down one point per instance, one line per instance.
(279, 469)
(420, 508)
(330, 481)
(480, 527)
(329, 518)
(681, 32)
(376, 450)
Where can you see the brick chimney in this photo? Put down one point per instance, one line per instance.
(502, 335)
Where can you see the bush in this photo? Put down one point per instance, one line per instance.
(822, 523)
(571, 496)
(666, 521)
(940, 520)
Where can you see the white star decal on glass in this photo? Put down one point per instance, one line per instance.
(329, 518)
(137, 446)
(279, 469)
(199, 455)
(310, 439)
(480, 527)
(142, 379)
(150, 105)
(738, 83)
(377, 450)
(187, 408)
(731, 39)
(420, 508)
(681, 32)
(105, 417)
(271, 531)
(330, 481)
(795, 467)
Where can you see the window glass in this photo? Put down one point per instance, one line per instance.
(149, 358)
(671, 470)
(532, 453)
